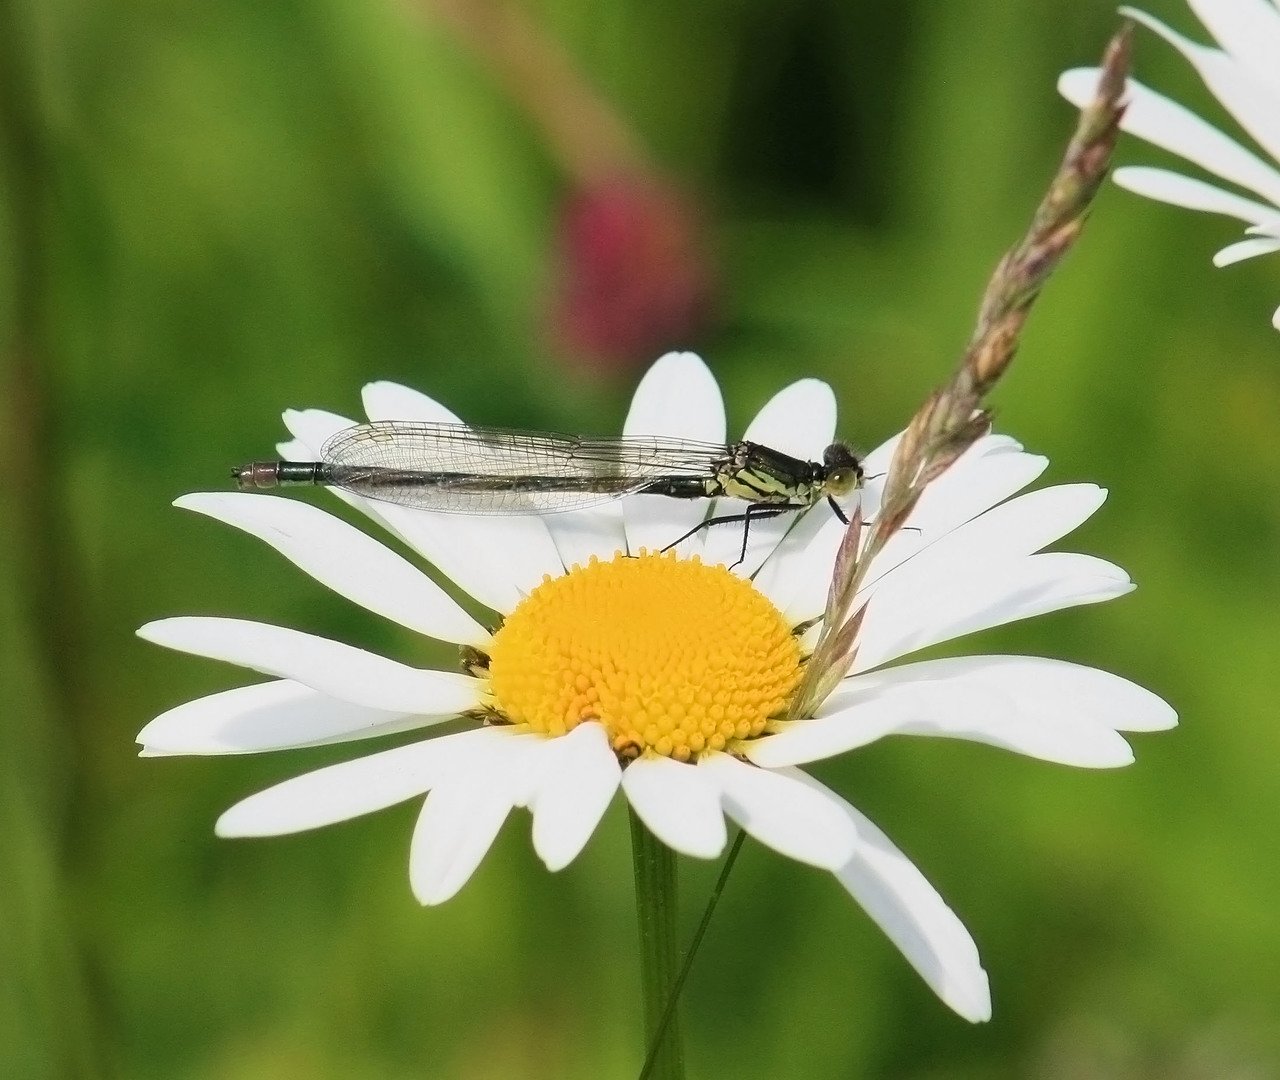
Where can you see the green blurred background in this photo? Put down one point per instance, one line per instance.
(213, 212)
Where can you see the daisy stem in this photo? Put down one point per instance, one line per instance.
(669, 1012)
(655, 873)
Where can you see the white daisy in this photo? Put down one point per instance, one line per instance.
(1244, 75)
(660, 675)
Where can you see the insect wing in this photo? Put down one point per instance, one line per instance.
(458, 469)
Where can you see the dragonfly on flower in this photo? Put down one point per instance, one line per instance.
(453, 468)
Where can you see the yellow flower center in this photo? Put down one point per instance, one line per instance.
(669, 654)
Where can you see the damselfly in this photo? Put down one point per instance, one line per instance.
(453, 468)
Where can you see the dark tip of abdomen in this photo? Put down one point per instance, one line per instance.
(257, 474)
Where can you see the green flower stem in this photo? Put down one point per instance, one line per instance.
(655, 873)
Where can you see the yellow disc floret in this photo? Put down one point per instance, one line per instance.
(670, 655)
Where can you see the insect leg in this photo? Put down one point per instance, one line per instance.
(704, 525)
(754, 512)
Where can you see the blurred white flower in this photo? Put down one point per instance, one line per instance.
(1244, 75)
(660, 675)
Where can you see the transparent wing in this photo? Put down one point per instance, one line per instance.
(458, 469)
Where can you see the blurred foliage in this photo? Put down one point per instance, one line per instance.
(212, 212)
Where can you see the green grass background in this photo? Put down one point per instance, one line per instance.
(213, 212)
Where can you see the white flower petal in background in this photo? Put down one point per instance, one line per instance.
(341, 671)
(1170, 187)
(351, 563)
(1245, 249)
(278, 715)
(1245, 93)
(1247, 29)
(678, 397)
(1244, 75)
(678, 803)
(1164, 123)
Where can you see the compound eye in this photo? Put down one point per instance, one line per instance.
(842, 481)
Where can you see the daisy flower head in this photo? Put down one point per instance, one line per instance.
(614, 666)
(1243, 73)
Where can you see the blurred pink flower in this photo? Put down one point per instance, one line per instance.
(633, 274)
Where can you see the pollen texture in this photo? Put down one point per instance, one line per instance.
(669, 654)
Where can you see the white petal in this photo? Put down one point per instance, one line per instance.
(792, 818)
(578, 774)
(391, 401)
(990, 471)
(1045, 709)
(915, 612)
(964, 521)
(913, 916)
(313, 427)
(1247, 29)
(1275, 318)
(336, 669)
(1166, 124)
(268, 716)
(457, 826)
(677, 397)
(678, 803)
(577, 536)
(1178, 190)
(599, 531)
(1246, 249)
(852, 717)
(1045, 690)
(799, 420)
(496, 559)
(352, 788)
(348, 561)
(974, 484)
(294, 450)
(970, 487)
(1251, 101)
(797, 572)
(877, 462)
(1013, 529)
